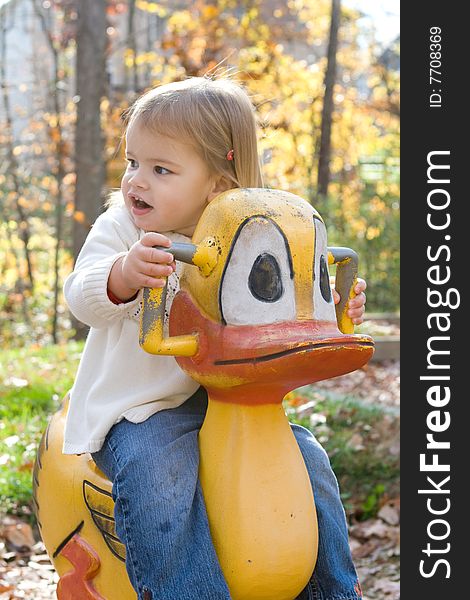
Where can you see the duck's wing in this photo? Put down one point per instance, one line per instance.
(101, 506)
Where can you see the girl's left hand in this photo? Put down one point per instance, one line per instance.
(356, 305)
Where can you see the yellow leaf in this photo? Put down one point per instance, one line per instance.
(372, 232)
(69, 179)
(210, 11)
(79, 216)
(151, 7)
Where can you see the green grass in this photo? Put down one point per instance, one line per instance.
(32, 382)
(358, 437)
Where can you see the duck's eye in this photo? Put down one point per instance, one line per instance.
(265, 280)
(257, 285)
(323, 305)
(324, 280)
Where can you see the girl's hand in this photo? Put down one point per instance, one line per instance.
(142, 266)
(356, 305)
(145, 266)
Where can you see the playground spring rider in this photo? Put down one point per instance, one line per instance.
(254, 321)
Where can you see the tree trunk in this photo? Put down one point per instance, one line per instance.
(13, 170)
(328, 104)
(132, 86)
(89, 141)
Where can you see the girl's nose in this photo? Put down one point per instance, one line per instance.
(138, 179)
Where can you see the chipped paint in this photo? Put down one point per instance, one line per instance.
(206, 256)
(346, 279)
(152, 338)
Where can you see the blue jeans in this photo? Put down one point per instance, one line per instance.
(161, 517)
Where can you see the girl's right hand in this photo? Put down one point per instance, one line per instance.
(142, 266)
(145, 266)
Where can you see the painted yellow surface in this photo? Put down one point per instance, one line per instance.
(60, 495)
(152, 336)
(182, 345)
(256, 487)
(221, 220)
(345, 324)
(259, 501)
(153, 340)
(206, 256)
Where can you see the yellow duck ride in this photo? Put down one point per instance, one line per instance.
(254, 321)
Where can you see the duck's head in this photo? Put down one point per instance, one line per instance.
(263, 313)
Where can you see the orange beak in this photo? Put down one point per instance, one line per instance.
(266, 361)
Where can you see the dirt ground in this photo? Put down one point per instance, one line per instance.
(375, 543)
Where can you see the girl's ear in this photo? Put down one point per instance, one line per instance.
(221, 184)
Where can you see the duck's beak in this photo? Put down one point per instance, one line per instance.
(281, 355)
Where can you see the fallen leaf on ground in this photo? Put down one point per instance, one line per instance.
(17, 535)
(389, 513)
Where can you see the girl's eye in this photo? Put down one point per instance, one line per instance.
(132, 163)
(161, 170)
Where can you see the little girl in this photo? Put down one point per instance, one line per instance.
(139, 414)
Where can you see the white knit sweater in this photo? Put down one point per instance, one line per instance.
(116, 379)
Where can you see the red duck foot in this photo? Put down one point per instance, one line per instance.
(86, 562)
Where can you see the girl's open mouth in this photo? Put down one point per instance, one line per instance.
(139, 206)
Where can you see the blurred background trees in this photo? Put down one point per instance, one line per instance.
(326, 92)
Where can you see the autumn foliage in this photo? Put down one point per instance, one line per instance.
(277, 49)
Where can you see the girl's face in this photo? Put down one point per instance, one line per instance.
(166, 185)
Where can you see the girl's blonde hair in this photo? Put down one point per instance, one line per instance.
(214, 116)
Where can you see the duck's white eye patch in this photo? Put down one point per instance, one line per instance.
(323, 304)
(257, 285)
